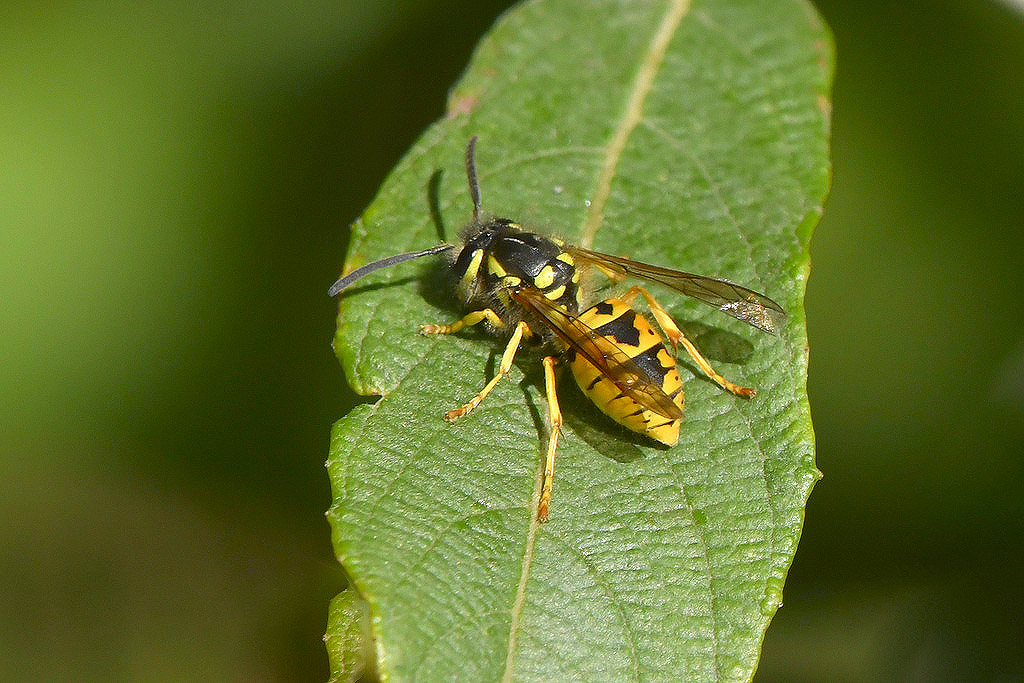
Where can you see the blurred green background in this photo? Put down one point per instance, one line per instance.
(175, 186)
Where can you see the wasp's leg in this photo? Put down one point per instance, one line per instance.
(471, 319)
(522, 329)
(710, 371)
(612, 275)
(665, 322)
(555, 417)
(676, 336)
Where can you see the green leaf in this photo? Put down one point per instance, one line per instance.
(348, 638)
(691, 135)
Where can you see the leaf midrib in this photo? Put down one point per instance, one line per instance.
(631, 117)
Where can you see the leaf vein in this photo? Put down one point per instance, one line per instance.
(642, 84)
(612, 596)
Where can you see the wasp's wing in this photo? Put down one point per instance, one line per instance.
(739, 302)
(601, 352)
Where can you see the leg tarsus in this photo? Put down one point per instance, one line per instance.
(469, 320)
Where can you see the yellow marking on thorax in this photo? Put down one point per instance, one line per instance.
(495, 267)
(545, 278)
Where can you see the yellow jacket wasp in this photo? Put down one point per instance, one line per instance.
(526, 286)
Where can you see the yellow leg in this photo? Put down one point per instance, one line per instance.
(676, 336)
(506, 363)
(555, 417)
(710, 371)
(471, 319)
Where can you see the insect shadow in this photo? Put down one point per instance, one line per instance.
(437, 281)
(598, 430)
(356, 291)
(579, 415)
(433, 194)
(715, 344)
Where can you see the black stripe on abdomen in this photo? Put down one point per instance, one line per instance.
(649, 363)
(622, 329)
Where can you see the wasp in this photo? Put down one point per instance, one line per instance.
(526, 287)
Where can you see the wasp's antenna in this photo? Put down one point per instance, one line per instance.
(474, 184)
(383, 263)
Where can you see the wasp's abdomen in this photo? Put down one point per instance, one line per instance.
(633, 334)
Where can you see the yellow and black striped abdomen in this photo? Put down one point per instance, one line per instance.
(633, 334)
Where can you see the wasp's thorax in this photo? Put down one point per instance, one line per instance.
(499, 256)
